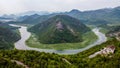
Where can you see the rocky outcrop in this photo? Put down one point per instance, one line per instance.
(104, 52)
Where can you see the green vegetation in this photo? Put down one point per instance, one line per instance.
(91, 26)
(115, 29)
(31, 20)
(88, 38)
(103, 30)
(109, 29)
(114, 24)
(34, 59)
(47, 32)
(6, 63)
(114, 32)
(8, 35)
(59, 29)
(98, 17)
(82, 60)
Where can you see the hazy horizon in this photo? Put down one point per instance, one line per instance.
(19, 6)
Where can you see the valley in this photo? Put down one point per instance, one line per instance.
(21, 44)
(59, 34)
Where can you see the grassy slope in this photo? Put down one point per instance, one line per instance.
(32, 42)
(103, 30)
(106, 28)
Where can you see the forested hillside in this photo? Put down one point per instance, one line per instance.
(35, 59)
(108, 15)
(31, 20)
(60, 29)
(8, 35)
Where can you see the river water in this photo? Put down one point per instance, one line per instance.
(21, 45)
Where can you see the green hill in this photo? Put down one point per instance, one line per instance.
(8, 36)
(60, 29)
(31, 20)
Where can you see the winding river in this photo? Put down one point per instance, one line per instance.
(20, 45)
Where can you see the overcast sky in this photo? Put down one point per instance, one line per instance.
(17, 6)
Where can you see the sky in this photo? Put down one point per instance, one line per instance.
(18, 6)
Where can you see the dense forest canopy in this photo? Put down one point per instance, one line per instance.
(35, 59)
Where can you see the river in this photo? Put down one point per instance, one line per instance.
(21, 45)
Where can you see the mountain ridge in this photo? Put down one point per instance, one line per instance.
(110, 15)
(60, 29)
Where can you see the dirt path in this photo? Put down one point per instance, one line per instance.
(20, 63)
(66, 61)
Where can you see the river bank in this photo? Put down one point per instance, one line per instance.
(21, 45)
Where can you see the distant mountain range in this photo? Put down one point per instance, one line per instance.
(93, 17)
(33, 12)
(110, 15)
(60, 29)
(22, 16)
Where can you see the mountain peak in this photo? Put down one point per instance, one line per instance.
(75, 11)
(60, 29)
(118, 8)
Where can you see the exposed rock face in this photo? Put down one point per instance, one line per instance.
(107, 50)
(59, 25)
(72, 31)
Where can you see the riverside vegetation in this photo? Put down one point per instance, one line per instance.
(34, 59)
(33, 42)
(60, 32)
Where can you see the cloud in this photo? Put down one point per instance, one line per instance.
(11, 6)
(16, 6)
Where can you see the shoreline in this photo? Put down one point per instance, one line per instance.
(21, 45)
